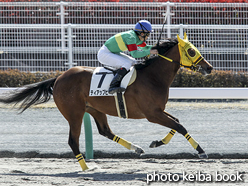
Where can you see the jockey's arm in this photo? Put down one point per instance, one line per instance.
(139, 54)
(144, 46)
(145, 50)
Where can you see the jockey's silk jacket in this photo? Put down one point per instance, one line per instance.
(128, 41)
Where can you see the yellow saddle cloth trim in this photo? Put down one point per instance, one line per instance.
(133, 78)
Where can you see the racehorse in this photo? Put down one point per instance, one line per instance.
(145, 98)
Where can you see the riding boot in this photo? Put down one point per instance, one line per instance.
(115, 83)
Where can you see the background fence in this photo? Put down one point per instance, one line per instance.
(56, 36)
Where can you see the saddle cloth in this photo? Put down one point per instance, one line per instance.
(102, 77)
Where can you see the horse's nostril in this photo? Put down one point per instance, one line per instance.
(210, 68)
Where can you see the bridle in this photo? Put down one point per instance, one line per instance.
(194, 67)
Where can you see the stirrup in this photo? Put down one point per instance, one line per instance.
(116, 89)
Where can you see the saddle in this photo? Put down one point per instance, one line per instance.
(102, 77)
(100, 82)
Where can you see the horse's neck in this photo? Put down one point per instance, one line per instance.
(164, 71)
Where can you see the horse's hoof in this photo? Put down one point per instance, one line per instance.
(156, 144)
(139, 151)
(153, 144)
(203, 155)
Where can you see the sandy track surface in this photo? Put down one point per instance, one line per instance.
(47, 171)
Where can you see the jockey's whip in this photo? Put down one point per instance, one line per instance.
(165, 17)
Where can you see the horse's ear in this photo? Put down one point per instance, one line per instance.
(185, 36)
(181, 41)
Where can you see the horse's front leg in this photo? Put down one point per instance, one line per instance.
(168, 137)
(164, 141)
(104, 129)
(164, 119)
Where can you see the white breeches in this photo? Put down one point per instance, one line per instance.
(118, 60)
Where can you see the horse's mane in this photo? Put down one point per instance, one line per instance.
(166, 45)
(162, 48)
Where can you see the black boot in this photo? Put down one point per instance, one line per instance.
(115, 83)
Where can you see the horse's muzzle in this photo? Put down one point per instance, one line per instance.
(206, 68)
(209, 69)
(205, 71)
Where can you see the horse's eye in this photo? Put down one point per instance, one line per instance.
(191, 52)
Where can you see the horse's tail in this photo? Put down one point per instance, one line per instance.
(29, 95)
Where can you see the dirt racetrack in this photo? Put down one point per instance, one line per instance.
(47, 171)
(34, 149)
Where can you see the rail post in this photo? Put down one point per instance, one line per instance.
(62, 22)
(70, 46)
(181, 31)
(70, 54)
(89, 154)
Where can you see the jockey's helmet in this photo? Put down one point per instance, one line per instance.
(143, 26)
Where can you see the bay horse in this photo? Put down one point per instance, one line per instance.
(145, 98)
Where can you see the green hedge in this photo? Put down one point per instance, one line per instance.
(15, 78)
(184, 78)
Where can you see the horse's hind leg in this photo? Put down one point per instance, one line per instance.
(73, 112)
(104, 129)
(75, 129)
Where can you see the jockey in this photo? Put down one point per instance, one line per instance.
(111, 53)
